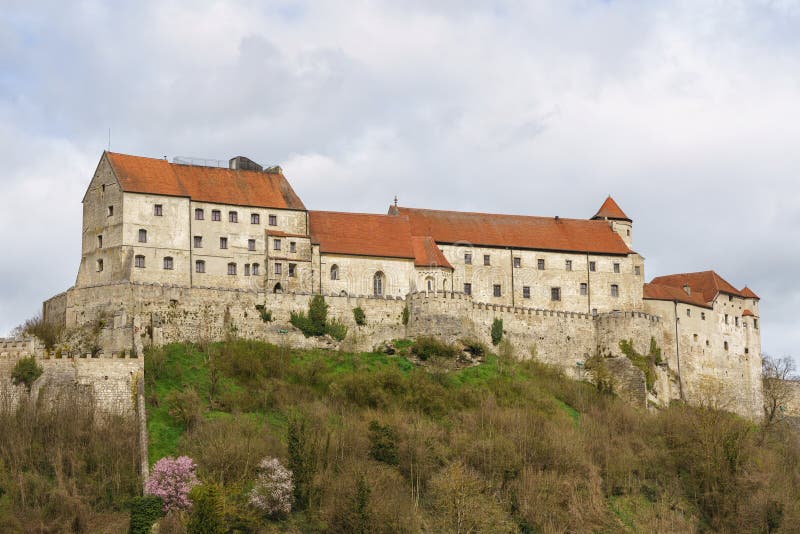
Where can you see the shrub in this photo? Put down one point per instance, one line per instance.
(46, 331)
(645, 363)
(359, 316)
(426, 347)
(302, 461)
(171, 479)
(318, 314)
(26, 371)
(273, 488)
(185, 406)
(497, 331)
(266, 315)
(207, 516)
(144, 512)
(404, 316)
(474, 347)
(336, 329)
(383, 443)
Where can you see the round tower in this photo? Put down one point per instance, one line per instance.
(620, 223)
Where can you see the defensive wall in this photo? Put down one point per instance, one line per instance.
(130, 316)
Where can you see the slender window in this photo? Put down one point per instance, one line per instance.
(247, 269)
(278, 268)
(273, 220)
(158, 210)
(703, 316)
(255, 218)
(592, 266)
(688, 312)
(540, 264)
(199, 266)
(255, 269)
(517, 262)
(199, 215)
(99, 265)
(614, 290)
(276, 244)
(467, 258)
(223, 242)
(568, 265)
(110, 211)
(142, 236)
(251, 244)
(497, 291)
(292, 247)
(232, 269)
(637, 270)
(555, 293)
(168, 263)
(526, 292)
(468, 289)
(334, 272)
(755, 324)
(233, 217)
(198, 241)
(292, 270)
(216, 215)
(100, 241)
(584, 289)
(616, 267)
(725, 344)
(487, 259)
(139, 261)
(736, 321)
(377, 284)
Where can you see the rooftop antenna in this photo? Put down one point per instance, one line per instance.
(395, 201)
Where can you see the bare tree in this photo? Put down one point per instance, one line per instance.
(776, 375)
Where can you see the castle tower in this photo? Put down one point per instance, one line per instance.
(620, 223)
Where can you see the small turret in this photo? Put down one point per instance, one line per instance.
(620, 223)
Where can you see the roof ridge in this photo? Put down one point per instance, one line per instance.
(499, 214)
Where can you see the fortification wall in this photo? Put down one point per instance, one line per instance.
(104, 383)
(792, 406)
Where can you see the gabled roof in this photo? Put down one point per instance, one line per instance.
(707, 284)
(518, 231)
(611, 210)
(428, 254)
(203, 184)
(748, 293)
(361, 234)
(654, 291)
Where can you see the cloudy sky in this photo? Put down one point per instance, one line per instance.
(688, 113)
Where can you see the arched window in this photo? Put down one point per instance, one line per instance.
(377, 284)
(142, 236)
(430, 283)
(278, 288)
(334, 272)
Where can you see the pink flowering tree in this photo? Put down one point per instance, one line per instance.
(171, 479)
(273, 488)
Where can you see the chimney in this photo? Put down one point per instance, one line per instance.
(687, 289)
(241, 163)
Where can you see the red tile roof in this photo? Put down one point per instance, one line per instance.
(610, 210)
(708, 284)
(748, 313)
(428, 254)
(518, 231)
(361, 234)
(748, 293)
(203, 184)
(654, 291)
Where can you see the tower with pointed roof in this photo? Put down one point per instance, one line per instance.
(620, 223)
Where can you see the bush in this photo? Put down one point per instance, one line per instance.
(144, 512)
(266, 315)
(404, 316)
(336, 329)
(26, 371)
(427, 347)
(207, 516)
(48, 332)
(474, 347)
(318, 314)
(185, 406)
(171, 479)
(273, 488)
(359, 316)
(383, 443)
(302, 461)
(497, 331)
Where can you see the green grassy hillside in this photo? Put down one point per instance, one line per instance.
(386, 445)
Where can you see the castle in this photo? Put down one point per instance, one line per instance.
(181, 251)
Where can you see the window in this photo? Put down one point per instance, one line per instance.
(334, 272)
(273, 220)
(555, 293)
(568, 265)
(251, 244)
(725, 345)
(377, 284)
(487, 259)
(628, 233)
(594, 311)
(703, 316)
(158, 210)
(746, 350)
(467, 258)
(223, 242)
(199, 266)
(726, 318)
(694, 336)
(517, 262)
(216, 215)
(637, 270)
(292, 247)
(496, 290)
(468, 289)
(614, 290)
(255, 269)
(708, 343)
(103, 188)
(540, 264)
(198, 241)
(168, 263)
(592, 266)
(688, 312)
(138, 261)
(232, 269)
(100, 241)
(142, 236)
(255, 218)
(276, 244)
(584, 288)
(99, 265)
(616, 267)
(730, 298)
(278, 268)
(292, 270)
(110, 211)
(430, 283)
(247, 269)
(755, 324)
(526, 292)
(736, 321)
(233, 217)
(199, 215)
